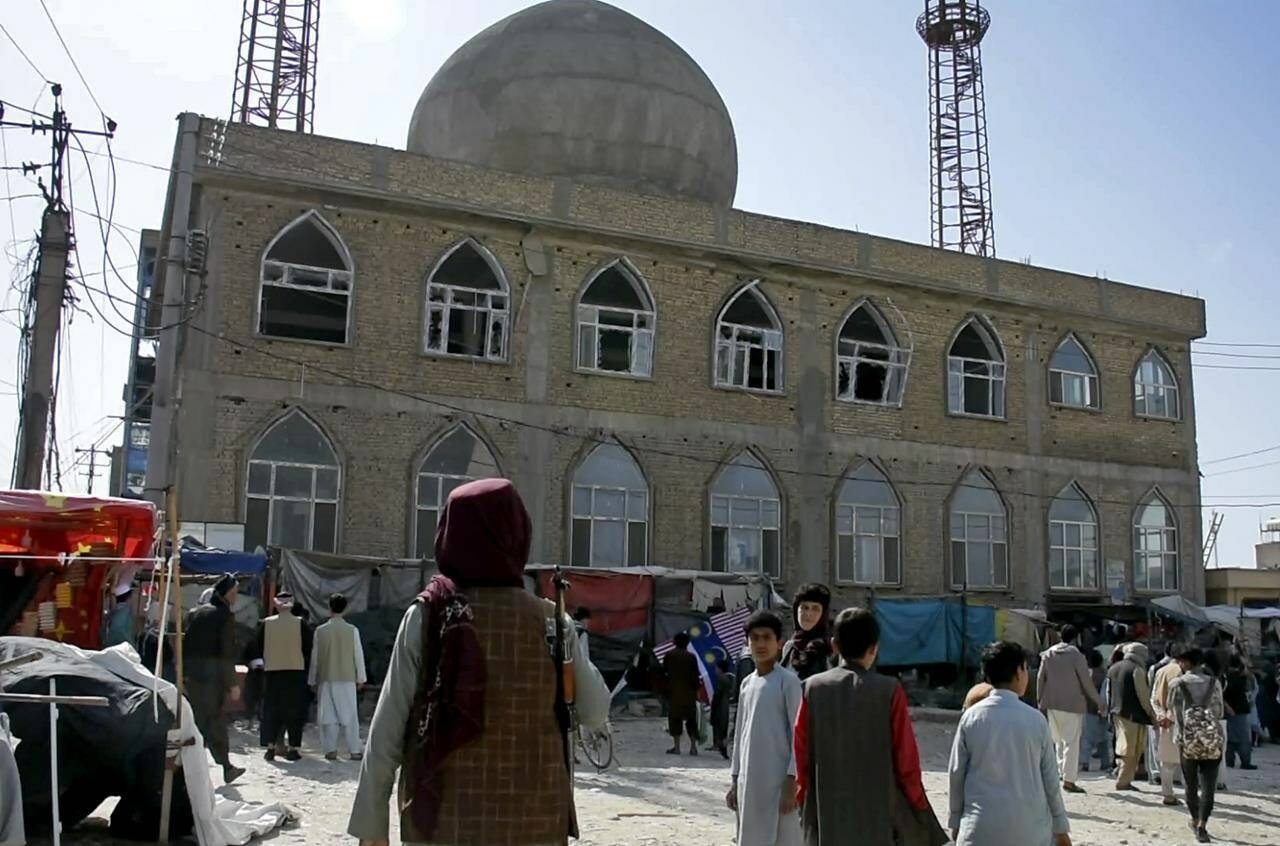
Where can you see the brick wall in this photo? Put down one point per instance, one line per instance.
(680, 427)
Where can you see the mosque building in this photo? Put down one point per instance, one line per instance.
(550, 283)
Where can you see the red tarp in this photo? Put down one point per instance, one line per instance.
(41, 524)
(618, 602)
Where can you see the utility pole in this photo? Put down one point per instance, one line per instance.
(48, 291)
(91, 471)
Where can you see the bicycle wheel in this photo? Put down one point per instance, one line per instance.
(598, 747)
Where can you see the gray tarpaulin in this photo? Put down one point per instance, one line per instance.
(312, 576)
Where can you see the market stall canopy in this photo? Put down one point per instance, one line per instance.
(1182, 609)
(42, 523)
(219, 561)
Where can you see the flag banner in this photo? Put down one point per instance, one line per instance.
(720, 638)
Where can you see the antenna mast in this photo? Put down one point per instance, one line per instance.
(276, 64)
(961, 184)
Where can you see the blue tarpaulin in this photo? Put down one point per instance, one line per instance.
(219, 561)
(930, 631)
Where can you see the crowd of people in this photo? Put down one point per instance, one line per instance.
(822, 744)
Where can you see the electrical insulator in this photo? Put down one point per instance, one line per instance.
(197, 251)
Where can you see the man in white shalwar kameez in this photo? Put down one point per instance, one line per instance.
(337, 668)
(764, 761)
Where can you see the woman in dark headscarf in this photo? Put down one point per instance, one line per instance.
(469, 698)
(809, 650)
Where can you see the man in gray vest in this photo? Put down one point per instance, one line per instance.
(337, 671)
(858, 765)
(284, 641)
(1131, 708)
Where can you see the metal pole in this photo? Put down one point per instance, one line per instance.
(53, 760)
(51, 287)
(162, 452)
(173, 745)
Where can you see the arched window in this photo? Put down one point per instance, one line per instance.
(610, 510)
(1155, 389)
(1073, 541)
(1073, 378)
(975, 372)
(457, 458)
(616, 322)
(870, 366)
(467, 304)
(749, 343)
(294, 485)
(745, 519)
(979, 535)
(1155, 545)
(867, 529)
(306, 283)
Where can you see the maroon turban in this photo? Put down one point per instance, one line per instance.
(482, 541)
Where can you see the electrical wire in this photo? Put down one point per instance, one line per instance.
(74, 63)
(23, 53)
(592, 435)
(1241, 455)
(1243, 469)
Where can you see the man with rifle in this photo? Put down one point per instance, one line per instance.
(479, 690)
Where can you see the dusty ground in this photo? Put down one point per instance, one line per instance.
(651, 799)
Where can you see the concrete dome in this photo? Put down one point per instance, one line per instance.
(581, 89)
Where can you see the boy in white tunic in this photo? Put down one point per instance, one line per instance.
(337, 668)
(764, 761)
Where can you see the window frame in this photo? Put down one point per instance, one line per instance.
(1065, 548)
(990, 541)
(1092, 380)
(736, 342)
(997, 372)
(852, 507)
(272, 498)
(626, 520)
(896, 365)
(439, 478)
(505, 313)
(330, 232)
(1142, 390)
(729, 525)
(580, 323)
(1169, 536)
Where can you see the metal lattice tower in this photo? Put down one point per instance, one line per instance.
(961, 184)
(276, 64)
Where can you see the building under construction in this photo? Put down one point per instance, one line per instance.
(549, 282)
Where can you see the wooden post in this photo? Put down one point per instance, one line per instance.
(173, 743)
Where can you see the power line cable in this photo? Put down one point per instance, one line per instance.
(18, 47)
(1241, 455)
(74, 63)
(1242, 469)
(592, 436)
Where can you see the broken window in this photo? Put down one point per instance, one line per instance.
(615, 323)
(609, 511)
(870, 366)
(1073, 541)
(467, 305)
(293, 488)
(457, 458)
(867, 529)
(975, 372)
(1073, 379)
(306, 283)
(749, 343)
(746, 519)
(1155, 545)
(1155, 389)
(979, 535)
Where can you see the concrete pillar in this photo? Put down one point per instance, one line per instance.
(810, 506)
(536, 444)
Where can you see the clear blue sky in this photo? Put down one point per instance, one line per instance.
(1130, 139)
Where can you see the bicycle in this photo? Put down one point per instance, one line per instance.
(597, 745)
